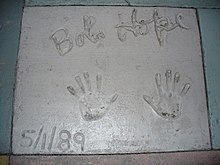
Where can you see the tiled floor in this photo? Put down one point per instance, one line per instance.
(185, 158)
(3, 160)
(10, 19)
(211, 48)
(10, 24)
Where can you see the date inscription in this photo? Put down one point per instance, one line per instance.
(45, 140)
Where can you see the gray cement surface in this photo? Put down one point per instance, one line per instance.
(95, 80)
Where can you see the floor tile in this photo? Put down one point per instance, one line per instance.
(174, 3)
(210, 25)
(95, 80)
(10, 19)
(178, 3)
(180, 158)
(3, 160)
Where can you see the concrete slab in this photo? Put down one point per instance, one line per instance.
(3, 160)
(174, 3)
(95, 80)
(10, 19)
(210, 25)
(180, 158)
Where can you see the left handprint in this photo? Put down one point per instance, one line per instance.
(93, 104)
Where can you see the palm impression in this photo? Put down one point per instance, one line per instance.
(169, 105)
(93, 104)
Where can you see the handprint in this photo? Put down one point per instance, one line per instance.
(93, 104)
(169, 105)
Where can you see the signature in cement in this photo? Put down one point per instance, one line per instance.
(141, 27)
(88, 23)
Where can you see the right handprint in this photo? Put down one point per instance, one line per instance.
(169, 104)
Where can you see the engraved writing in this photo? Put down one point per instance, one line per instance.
(79, 138)
(64, 143)
(25, 136)
(44, 141)
(169, 105)
(137, 27)
(93, 104)
(88, 23)
(141, 27)
(162, 24)
(63, 42)
(64, 139)
(51, 138)
(38, 138)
